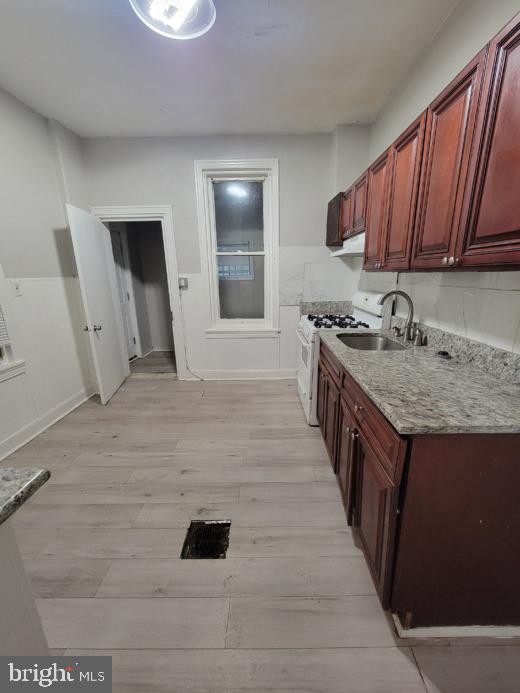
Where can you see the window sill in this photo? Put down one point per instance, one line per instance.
(245, 333)
(11, 369)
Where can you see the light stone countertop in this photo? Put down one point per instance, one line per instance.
(16, 486)
(421, 393)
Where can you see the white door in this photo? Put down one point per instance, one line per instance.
(123, 293)
(96, 272)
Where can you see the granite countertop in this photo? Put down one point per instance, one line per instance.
(421, 393)
(16, 486)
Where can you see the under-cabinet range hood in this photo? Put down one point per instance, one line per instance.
(355, 247)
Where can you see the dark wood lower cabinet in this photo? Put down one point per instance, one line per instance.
(327, 411)
(346, 458)
(437, 516)
(375, 516)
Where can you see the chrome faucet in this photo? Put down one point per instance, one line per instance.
(408, 327)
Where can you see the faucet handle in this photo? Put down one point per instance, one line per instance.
(419, 338)
(410, 333)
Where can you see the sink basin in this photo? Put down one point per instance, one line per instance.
(369, 342)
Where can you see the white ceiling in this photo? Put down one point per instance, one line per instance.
(267, 66)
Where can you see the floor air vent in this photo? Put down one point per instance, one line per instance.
(207, 539)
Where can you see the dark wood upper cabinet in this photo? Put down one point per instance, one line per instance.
(490, 230)
(377, 181)
(445, 195)
(346, 213)
(450, 130)
(359, 209)
(405, 167)
(334, 231)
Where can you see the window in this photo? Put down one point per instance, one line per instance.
(238, 219)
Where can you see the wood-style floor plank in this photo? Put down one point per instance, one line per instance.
(102, 546)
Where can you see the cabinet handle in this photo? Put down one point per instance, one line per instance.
(444, 261)
(353, 436)
(451, 261)
(358, 407)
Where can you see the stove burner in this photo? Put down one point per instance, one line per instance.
(342, 322)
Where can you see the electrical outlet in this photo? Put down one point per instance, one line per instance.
(16, 287)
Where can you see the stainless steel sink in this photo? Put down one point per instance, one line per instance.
(369, 342)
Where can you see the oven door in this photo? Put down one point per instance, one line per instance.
(305, 363)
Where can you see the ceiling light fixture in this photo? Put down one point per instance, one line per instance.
(178, 19)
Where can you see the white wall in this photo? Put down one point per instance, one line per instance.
(45, 319)
(161, 171)
(484, 306)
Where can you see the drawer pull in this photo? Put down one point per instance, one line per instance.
(358, 407)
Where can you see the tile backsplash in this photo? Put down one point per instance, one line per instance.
(309, 273)
(482, 306)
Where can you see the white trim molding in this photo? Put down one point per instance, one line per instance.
(266, 171)
(12, 370)
(276, 374)
(41, 423)
(162, 213)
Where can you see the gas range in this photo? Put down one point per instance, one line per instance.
(366, 314)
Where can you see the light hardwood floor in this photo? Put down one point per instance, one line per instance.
(158, 362)
(292, 608)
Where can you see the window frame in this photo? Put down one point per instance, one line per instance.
(265, 170)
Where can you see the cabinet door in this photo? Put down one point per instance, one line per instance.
(322, 398)
(491, 234)
(403, 187)
(333, 222)
(346, 213)
(346, 457)
(375, 517)
(376, 211)
(331, 420)
(450, 130)
(359, 205)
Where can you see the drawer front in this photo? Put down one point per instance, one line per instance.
(382, 436)
(333, 367)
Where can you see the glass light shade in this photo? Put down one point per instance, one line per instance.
(177, 19)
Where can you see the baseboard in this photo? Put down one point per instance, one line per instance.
(278, 374)
(456, 631)
(27, 433)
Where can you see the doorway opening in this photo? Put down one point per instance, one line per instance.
(163, 218)
(143, 292)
